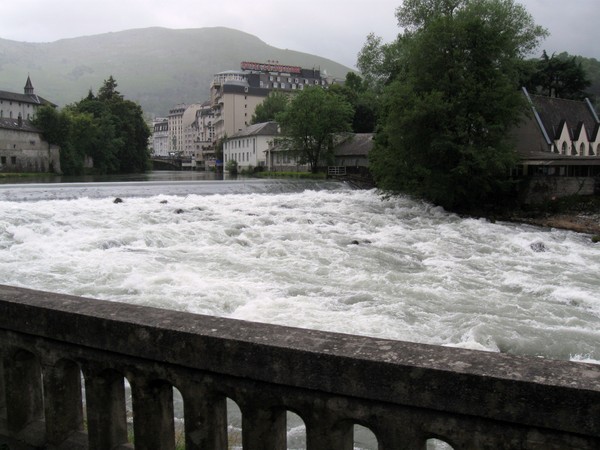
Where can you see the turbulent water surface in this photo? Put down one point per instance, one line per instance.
(314, 255)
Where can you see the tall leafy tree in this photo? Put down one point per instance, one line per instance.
(274, 104)
(106, 128)
(309, 123)
(452, 100)
(364, 102)
(559, 76)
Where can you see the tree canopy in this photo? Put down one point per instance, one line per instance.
(364, 101)
(106, 129)
(559, 76)
(309, 123)
(274, 104)
(451, 96)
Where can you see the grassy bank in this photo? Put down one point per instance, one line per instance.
(18, 175)
(299, 175)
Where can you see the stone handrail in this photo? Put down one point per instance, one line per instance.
(405, 393)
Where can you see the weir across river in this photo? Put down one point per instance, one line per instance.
(405, 393)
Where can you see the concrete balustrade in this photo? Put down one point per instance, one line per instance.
(405, 393)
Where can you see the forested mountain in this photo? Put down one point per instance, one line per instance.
(156, 67)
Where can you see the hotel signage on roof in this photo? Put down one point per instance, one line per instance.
(270, 67)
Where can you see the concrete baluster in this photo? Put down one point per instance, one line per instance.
(24, 402)
(63, 406)
(263, 429)
(326, 434)
(2, 393)
(205, 418)
(395, 435)
(106, 410)
(153, 423)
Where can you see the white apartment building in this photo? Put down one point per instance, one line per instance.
(205, 118)
(176, 139)
(160, 137)
(249, 146)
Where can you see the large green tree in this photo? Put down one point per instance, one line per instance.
(559, 76)
(451, 99)
(364, 101)
(106, 128)
(274, 104)
(309, 123)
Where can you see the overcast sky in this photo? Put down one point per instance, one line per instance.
(334, 29)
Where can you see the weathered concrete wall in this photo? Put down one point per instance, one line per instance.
(24, 150)
(405, 393)
(540, 189)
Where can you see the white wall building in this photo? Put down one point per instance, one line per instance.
(176, 139)
(249, 146)
(13, 105)
(160, 137)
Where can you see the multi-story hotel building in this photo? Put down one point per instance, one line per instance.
(235, 94)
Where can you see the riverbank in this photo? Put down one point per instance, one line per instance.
(579, 214)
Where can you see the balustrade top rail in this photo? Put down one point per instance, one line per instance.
(502, 389)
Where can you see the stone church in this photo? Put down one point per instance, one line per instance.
(22, 147)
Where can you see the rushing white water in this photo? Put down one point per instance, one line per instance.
(337, 259)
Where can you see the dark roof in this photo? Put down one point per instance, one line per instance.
(542, 126)
(554, 112)
(13, 124)
(24, 98)
(358, 144)
(259, 129)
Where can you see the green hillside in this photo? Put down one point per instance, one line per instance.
(156, 67)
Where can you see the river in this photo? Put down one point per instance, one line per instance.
(318, 255)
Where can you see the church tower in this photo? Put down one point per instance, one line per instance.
(28, 87)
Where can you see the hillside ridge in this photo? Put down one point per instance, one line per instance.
(157, 67)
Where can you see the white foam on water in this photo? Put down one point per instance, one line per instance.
(340, 260)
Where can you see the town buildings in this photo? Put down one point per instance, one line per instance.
(22, 147)
(195, 130)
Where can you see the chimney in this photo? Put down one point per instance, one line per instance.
(20, 121)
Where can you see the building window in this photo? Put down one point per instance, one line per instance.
(3, 159)
(582, 149)
(13, 160)
(564, 148)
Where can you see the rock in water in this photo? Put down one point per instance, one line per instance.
(538, 246)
